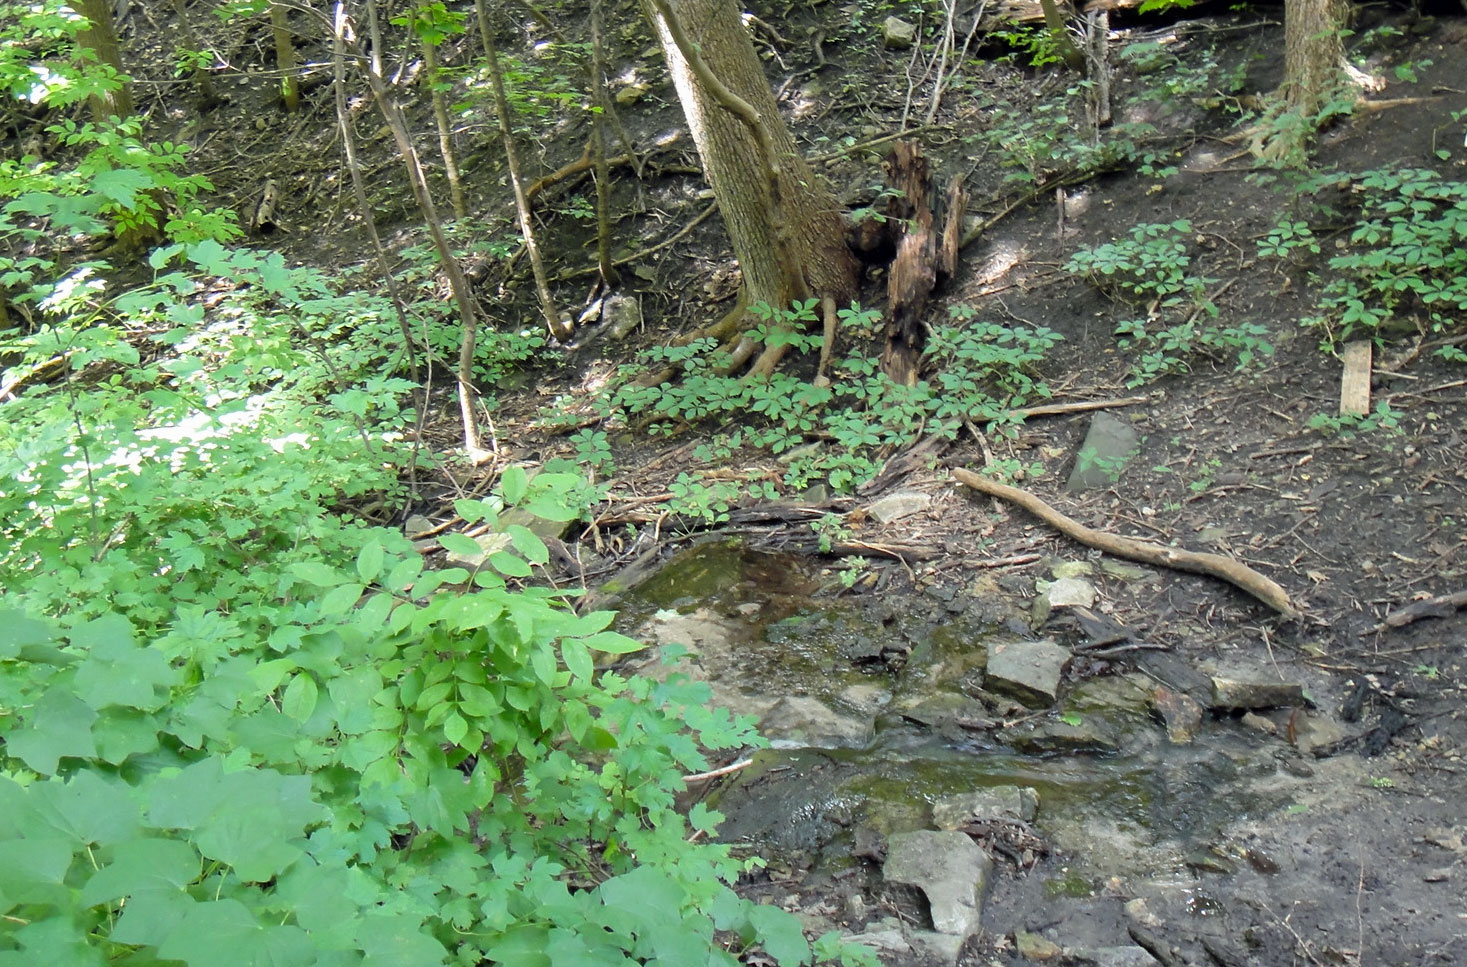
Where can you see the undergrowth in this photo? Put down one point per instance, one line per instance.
(834, 435)
(239, 723)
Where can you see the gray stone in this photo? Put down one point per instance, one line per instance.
(1124, 572)
(998, 802)
(1062, 593)
(1028, 670)
(1108, 447)
(622, 314)
(1235, 693)
(1047, 736)
(632, 93)
(1031, 946)
(416, 526)
(1071, 569)
(950, 869)
(897, 34)
(799, 721)
(1110, 957)
(901, 504)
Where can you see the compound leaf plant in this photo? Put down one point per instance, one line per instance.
(238, 723)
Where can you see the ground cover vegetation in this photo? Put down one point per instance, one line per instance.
(236, 712)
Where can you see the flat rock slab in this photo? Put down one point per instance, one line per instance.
(950, 869)
(1235, 693)
(903, 503)
(1068, 592)
(1028, 670)
(998, 802)
(1108, 447)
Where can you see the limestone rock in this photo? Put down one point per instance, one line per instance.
(1062, 593)
(1028, 670)
(898, 34)
(1108, 447)
(998, 802)
(901, 504)
(950, 869)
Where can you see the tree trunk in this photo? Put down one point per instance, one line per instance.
(1314, 53)
(785, 225)
(101, 39)
(286, 61)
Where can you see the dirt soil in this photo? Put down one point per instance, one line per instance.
(1355, 527)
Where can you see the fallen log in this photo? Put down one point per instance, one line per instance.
(1197, 562)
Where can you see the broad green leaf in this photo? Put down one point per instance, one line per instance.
(780, 933)
(399, 941)
(59, 725)
(460, 544)
(510, 565)
(299, 700)
(513, 483)
(210, 929)
(372, 615)
(313, 572)
(404, 573)
(139, 866)
(577, 658)
(369, 561)
(612, 643)
(33, 870)
(54, 942)
(89, 809)
(18, 631)
(455, 728)
(531, 547)
(117, 671)
(340, 600)
(121, 733)
(121, 185)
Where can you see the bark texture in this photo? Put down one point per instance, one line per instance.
(1314, 53)
(785, 225)
(101, 39)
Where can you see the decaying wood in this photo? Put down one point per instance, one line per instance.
(1355, 380)
(1438, 607)
(918, 266)
(264, 220)
(1214, 565)
(1079, 406)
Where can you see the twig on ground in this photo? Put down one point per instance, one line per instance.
(1214, 565)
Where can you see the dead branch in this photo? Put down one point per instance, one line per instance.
(1080, 406)
(1438, 607)
(1214, 565)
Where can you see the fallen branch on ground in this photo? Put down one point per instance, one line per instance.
(1438, 607)
(1214, 565)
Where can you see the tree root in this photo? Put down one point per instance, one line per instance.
(1214, 565)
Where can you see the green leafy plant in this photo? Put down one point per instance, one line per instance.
(1152, 267)
(1404, 267)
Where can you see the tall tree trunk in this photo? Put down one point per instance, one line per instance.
(445, 129)
(785, 224)
(1314, 53)
(101, 39)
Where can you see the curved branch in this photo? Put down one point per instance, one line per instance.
(1214, 565)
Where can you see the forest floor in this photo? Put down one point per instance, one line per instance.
(1356, 523)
